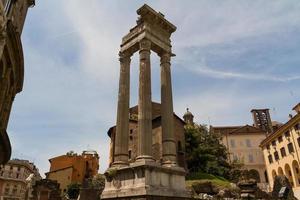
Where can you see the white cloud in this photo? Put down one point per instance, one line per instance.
(211, 72)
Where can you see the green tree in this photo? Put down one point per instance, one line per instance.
(205, 152)
(73, 190)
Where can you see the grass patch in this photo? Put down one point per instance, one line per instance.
(199, 177)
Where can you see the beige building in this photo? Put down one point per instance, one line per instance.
(12, 18)
(13, 184)
(281, 151)
(243, 143)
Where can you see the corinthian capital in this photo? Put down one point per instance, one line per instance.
(145, 45)
(165, 57)
(124, 56)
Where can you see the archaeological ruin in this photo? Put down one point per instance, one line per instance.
(145, 178)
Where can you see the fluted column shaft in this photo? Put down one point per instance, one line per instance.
(168, 135)
(122, 129)
(145, 103)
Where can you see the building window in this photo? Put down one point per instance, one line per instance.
(297, 127)
(270, 159)
(15, 190)
(287, 134)
(131, 131)
(248, 143)
(298, 140)
(250, 156)
(276, 155)
(129, 154)
(280, 139)
(290, 147)
(179, 146)
(274, 143)
(282, 151)
(268, 147)
(232, 143)
(6, 192)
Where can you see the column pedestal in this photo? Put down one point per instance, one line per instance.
(146, 180)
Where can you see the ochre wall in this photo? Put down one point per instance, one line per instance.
(63, 177)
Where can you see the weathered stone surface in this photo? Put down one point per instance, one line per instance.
(89, 194)
(279, 183)
(145, 179)
(46, 189)
(248, 188)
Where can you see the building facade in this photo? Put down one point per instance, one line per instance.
(156, 136)
(73, 168)
(243, 143)
(14, 177)
(281, 151)
(12, 18)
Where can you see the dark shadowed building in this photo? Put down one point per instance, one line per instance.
(12, 18)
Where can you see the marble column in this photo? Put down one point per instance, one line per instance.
(145, 103)
(168, 135)
(122, 129)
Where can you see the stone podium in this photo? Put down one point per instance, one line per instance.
(146, 178)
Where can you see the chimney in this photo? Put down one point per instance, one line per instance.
(297, 108)
(262, 119)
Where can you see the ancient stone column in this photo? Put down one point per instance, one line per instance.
(168, 135)
(122, 129)
(145, 103)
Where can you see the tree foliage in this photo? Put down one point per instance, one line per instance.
(98, 182)
(73, 190)
(205, 152)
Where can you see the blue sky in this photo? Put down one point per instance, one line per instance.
(231, 56)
